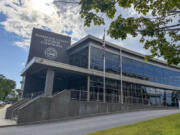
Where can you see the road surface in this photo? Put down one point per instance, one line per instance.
(85, 125)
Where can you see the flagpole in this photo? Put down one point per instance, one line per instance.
(104, 70)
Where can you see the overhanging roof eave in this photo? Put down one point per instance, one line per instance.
(28, 65)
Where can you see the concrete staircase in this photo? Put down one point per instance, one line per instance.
(12, 111)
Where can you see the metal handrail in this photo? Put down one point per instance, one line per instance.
(33, 95)
(82, 95)
(98, 96)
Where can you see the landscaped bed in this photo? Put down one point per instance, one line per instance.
(168, 125)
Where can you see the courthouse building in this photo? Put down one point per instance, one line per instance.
(55, 65)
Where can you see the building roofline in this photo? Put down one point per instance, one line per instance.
(58, 34)
(119, 48)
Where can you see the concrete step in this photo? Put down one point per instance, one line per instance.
(12, 108)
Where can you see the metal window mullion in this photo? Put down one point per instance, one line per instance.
(89, 66)
(121, 77)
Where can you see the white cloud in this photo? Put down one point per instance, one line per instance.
(24, 43)
(23, 64)
(57, 17)
(40, 13)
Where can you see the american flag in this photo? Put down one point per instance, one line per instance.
(103, 44)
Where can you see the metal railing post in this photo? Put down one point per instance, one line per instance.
(98, 96)
(80, 95)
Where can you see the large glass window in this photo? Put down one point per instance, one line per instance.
(161, 95)
(158, 74)
(97, 89)
(132, 68)
(80, 58)
(97, 61)
(150, 72)
(168, 97)
(132, 93)
(112, 62)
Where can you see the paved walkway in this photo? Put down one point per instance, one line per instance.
(4, 122)
(86, 125)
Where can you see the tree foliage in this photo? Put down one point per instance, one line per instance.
(158, 23)
(6, 86)
(13, 96)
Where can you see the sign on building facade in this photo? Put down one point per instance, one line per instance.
(49, 45)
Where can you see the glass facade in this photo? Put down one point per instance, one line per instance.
(133, 68)
(132, 93)
(112, 89)
(80, 58)
(150, 72)
(112, 61)
(78, 83)
(96, 59)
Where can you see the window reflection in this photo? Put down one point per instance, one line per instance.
(80, 59)
(132, 93)
(133, 68)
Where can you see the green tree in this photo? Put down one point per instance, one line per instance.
(12, 96)
(158, 23)
(6, 86)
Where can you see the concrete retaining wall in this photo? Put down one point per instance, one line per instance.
(35, 111)
(62, 107)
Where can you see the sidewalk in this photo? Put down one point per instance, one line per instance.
(3, 121)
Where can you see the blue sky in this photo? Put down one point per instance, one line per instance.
(18, 19)
(12, 57)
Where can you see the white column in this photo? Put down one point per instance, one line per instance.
(49, 83)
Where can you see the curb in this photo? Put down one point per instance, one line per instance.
(4, 126)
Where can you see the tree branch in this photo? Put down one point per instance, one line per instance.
(174, 11)
(176, 29)
(170, 26)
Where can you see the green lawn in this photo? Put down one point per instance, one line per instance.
(169, 125)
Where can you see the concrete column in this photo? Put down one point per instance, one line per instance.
(49, 83)
(88, 88)
(89, 56)
(121, 75)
